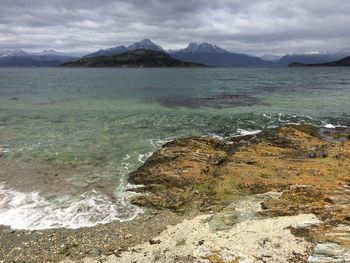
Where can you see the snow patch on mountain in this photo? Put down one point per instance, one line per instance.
(145, 44)
(14, 53)
(203, 48)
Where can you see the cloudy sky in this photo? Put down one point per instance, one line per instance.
(251, 26)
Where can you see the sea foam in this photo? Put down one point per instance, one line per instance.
(32, 211)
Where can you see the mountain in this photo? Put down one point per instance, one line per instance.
(3, 52)
(213, 55)
(203, 48)
(140, 58)
(316, 58)
(49, 52)
(108, 52)
(345, 62)
(20, 58)
(14, 53)
(143, 44)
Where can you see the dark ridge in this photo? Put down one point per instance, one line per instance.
(345, 62)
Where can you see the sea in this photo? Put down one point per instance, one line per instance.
(70, 137)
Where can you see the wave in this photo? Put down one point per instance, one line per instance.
(32, 211)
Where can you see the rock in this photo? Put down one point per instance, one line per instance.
(329, 253)
(206, 173)
(306, 228)
(155, 242)
(174, 177)
(223, 220)
(215, 101)
(96, 252)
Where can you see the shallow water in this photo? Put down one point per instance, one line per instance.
(74, 134)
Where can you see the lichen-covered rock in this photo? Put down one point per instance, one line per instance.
(311, 170)
(207, 173)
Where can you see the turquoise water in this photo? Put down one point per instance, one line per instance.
(93, 126)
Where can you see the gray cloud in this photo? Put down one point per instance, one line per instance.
(255, 26)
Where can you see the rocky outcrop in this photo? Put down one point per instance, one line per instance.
(206, 172)
(308, 166)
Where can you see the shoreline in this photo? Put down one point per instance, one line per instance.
(295, 177)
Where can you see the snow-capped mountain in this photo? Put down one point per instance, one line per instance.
(49, 52)
(143, 44)
(203, 53)
(13, 53)
(213, 55)
(108, 52)
(20, 58)
(202, 48)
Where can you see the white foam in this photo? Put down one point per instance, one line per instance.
(329, 126)
(243, 132)
(157, 143)
(240, 132)
(143, 157)
(32, 211)
(125, 165)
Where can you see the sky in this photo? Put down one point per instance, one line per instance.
(250, 26)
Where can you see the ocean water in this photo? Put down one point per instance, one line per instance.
(69, 137)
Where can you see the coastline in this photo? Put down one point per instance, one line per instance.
(292, 180)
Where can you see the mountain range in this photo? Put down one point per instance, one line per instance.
(138, 58)
(202, 53)
(213, 55)
(20, 58)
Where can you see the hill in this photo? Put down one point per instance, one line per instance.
(316, 58)
(345, 62)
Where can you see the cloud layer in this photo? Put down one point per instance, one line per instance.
(254, 26)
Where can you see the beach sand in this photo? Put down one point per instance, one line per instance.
(267, 240)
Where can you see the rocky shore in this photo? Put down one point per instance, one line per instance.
(279, 196)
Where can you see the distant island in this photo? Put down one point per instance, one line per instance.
(345, 62)
(134, 59)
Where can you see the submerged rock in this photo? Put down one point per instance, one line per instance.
(215, 101)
